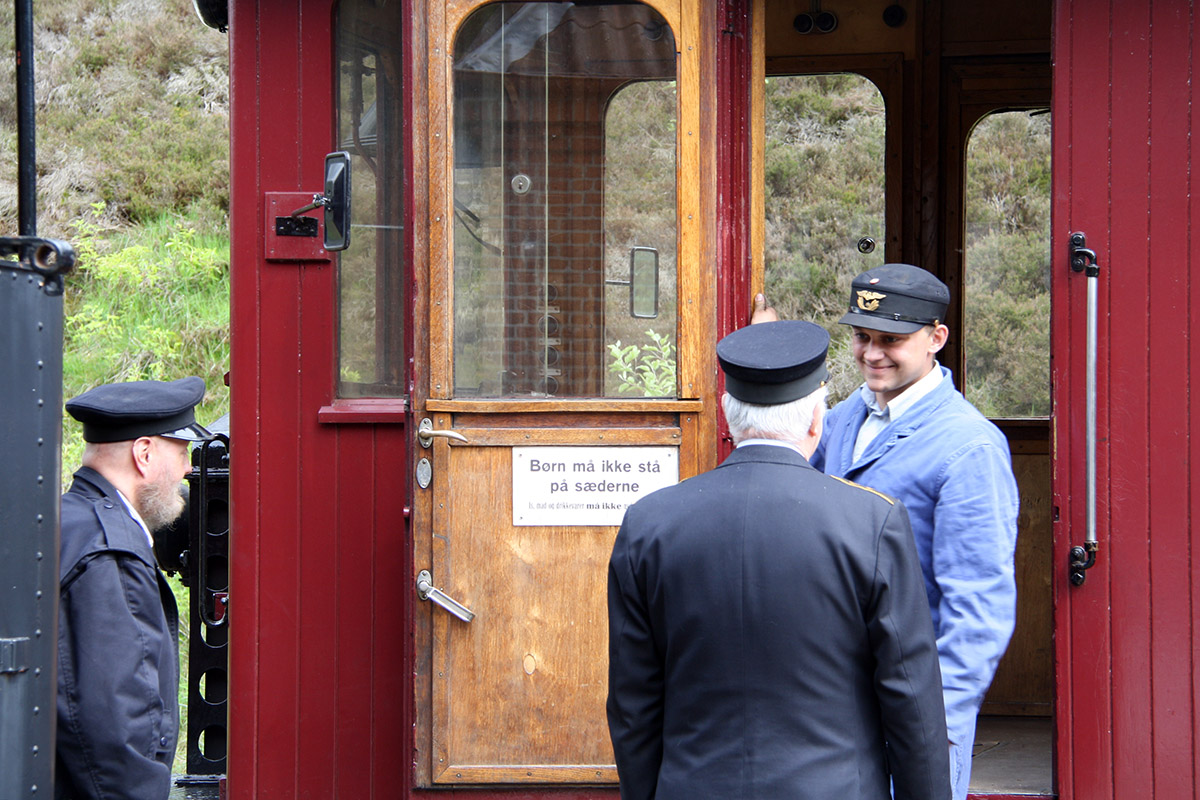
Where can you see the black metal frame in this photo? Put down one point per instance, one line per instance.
(30, 438)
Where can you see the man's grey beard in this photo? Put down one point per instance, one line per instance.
(160, 503)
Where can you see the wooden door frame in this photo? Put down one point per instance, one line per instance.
(698, 26)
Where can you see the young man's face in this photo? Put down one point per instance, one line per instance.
(891, 362)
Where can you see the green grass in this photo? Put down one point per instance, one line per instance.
(149, 302)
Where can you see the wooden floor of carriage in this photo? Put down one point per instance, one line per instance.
(1012, 756)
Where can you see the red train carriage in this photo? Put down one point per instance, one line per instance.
(430, 438)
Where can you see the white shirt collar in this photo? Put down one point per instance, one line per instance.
(136, 517)
(906, 399)
(772, 443)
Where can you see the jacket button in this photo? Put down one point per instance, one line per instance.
(108, 505)
(163, 741)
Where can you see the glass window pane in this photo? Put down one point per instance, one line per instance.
(371, 271)
(825, 201)
(639, 241)
(538, 150)
(1006, 298)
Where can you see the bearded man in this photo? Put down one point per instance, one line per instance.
(118, 645)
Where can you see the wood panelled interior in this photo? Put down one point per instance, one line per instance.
(990, 57)
(1024, 682)
(860, 30)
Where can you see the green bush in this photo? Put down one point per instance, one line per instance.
(145, 303)
(647, 369)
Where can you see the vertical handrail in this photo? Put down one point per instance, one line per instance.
(1090, 399)
(1083, 558)
(26, 122)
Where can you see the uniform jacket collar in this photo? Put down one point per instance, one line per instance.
(912, 420)
(117, 530)
(765, 453)
(91, 484)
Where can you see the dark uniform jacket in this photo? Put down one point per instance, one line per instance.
(768, 634)
(118, 662)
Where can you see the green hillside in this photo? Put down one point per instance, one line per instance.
(133, 170)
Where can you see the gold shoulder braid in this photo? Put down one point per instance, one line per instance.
(890, 500)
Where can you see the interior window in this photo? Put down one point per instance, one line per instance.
(825, 201)
(1006, 278)
(370, 126)
(558, 196)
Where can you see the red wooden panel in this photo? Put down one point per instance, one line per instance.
(734, 74)
(1168, 465)
(391, 742)
(1123, 175)
(322, 546)
(1190, 324)
(1124, 277)
(244, 381)
(350, 638)
(268, 657)
(1081, 165)
(733, 166)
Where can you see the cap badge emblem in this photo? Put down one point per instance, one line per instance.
(869, 301)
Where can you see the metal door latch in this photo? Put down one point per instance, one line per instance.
(426, 434)
(427, 591)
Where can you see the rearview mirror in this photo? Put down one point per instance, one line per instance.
(337, 201)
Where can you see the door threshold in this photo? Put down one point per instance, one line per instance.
(1013, 758)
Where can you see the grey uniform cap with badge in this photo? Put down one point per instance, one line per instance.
(118, 412)
(896, 298)
(774, 362)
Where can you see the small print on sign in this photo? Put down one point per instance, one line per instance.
(586, 485)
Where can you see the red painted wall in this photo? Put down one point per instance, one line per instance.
(320, 688)
(1123, 174)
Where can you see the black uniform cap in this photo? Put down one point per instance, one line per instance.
(774, 362)
(896, 298)
(118, 412)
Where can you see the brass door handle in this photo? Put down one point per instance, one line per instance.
(426, 434)
(427, 591)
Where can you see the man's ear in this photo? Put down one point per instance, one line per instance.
(818, 421)
(142, 449)
(938, 338)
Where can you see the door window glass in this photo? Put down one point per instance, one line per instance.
(1006, 296)
(825, 201)
(370, 126)
(564, 186)
(639, 241)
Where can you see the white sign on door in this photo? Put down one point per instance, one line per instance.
(586, 485)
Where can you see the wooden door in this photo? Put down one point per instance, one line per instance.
(565, 333)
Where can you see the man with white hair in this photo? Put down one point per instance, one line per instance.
(768, 629)
(118, 657)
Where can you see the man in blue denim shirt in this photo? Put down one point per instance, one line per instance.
(909, 433)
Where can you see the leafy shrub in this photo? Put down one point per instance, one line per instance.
(647, 369)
